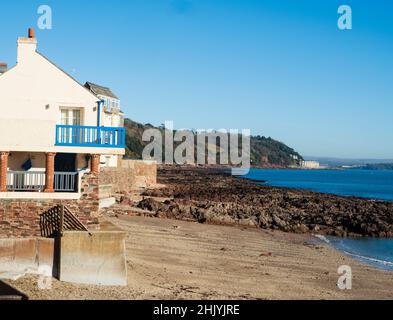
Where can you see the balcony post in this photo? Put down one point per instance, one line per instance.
(95, 163)
(50, 172)
(3, 170)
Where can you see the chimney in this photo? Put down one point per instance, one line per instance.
(3, 67)
(26, 47)
(31, 33)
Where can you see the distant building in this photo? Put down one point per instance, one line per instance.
(112, 115)
(310, 164)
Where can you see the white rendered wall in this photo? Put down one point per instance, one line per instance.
(31, 95)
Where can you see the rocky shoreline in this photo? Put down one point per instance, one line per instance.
(212, 196)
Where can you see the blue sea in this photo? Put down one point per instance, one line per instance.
(370, 184)
(374, 252)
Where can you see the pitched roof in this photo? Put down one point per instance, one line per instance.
(100, 90)
(66, 73)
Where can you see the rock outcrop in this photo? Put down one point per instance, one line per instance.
(210, 196)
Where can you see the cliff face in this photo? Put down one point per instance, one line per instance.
(264, 151)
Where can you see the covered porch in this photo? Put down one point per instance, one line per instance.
(44, 172)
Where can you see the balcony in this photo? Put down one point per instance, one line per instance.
(96, 137)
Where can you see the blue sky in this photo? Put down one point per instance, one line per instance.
(280, 68)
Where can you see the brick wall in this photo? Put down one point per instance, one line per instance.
(20, 218)
(131, 174)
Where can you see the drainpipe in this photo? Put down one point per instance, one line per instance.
(100, 103)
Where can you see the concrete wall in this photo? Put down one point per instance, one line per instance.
(31, 255)
(96, 258)
(20, 218)
(131, 174)
(32, 94)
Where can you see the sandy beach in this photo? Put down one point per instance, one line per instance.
(169, 259)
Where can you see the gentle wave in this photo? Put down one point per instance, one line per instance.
(340, 246)
(323, 238)
(357, 256)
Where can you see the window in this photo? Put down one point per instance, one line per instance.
(71, 117)
(64, 117)
(76, 117)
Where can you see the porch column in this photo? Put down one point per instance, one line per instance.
(50, 172)
(95, 163)
(3, 170)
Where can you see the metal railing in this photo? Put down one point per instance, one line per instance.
(65, 181)
(84, 136)
(25, 181)
(34, 181)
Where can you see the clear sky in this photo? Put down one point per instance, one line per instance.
(280, 68)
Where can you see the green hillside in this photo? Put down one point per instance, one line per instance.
(264, 151)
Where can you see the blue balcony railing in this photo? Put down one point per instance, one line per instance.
(83, 136)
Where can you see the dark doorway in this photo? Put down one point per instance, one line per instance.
(65, 162)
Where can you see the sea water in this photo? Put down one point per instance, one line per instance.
(371, 184)
(374, 252)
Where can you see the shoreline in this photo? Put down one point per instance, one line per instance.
(368, 260)
(174, 253)
(210, 195)
(177, 260)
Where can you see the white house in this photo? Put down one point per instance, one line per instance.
(112, 115)
(310, 164)
(51, 127)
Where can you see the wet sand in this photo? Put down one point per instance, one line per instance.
(169, 259)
